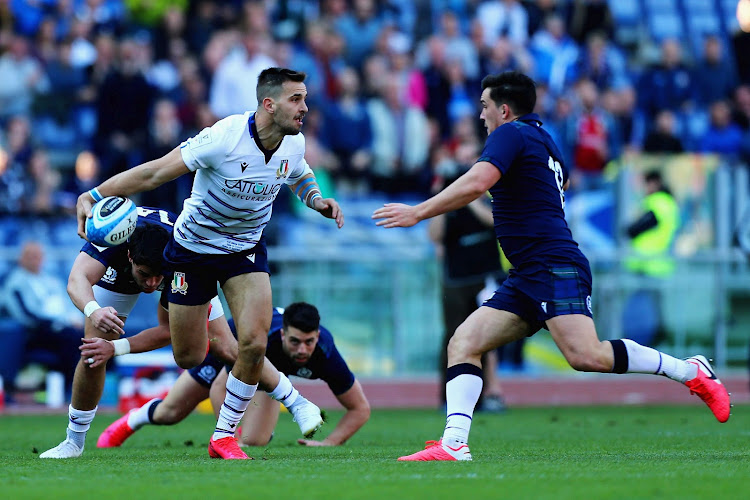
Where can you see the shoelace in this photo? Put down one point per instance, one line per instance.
(431, 443)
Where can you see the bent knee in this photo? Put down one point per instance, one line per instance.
(589, 363)
(189, 359)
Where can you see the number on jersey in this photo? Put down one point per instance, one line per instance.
(558, 171)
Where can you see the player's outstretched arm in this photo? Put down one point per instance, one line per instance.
(101, 350)
(145, 177)
(308, 192)
(86, 272)
(470, 186)
(357, 414)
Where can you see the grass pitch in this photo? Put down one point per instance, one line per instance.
(557, 453)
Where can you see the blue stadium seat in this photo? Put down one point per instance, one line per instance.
(665, 25)
(625, 13)
(729, 14)
(660, 6)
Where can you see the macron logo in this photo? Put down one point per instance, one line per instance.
(243, 165)
(544, 306)
(251, 258)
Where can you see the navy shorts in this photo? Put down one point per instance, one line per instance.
(206, 372)
(544, 293)
(195, 275)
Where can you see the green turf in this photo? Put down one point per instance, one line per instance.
(577, 453)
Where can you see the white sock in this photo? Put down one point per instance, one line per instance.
(79, 422)
(284, 392)
(142, 416)
(642, 359)
(238, 397)
(461, 395)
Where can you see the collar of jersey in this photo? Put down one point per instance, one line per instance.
(254, 134)
(530, 119)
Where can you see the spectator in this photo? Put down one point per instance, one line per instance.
(360, 30)
(629, 124)
(398, 47)
(164, 131)
(663, 138)
(123, 105)
(400, 142)
(437, 84)
(40, 303)
(347, 131)
(456, 46)
(723, 136)
(15, 153)
(503, 18)
(231, 89)
(667, 85)
(43, 195)
(85, 177)
(593, 133)
(741, 107)
(21, 78)
(587, 16)
(715, 76)
(602, 63)
(555, 54)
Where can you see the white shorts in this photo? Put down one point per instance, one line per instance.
(124, 302)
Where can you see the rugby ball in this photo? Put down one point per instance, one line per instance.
(112, 221)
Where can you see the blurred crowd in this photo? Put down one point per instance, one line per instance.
(89, 88)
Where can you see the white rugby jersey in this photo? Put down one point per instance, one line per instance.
(234, 187)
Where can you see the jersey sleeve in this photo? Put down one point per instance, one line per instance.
(105, 255)
(206, 149)
(300, 168)
(502, 147)
(337, 375)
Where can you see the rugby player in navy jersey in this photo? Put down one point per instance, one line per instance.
(105, 284)
(240, 163)
(297, 345)
(550, 283)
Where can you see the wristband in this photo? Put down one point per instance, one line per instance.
(96, 195)
(90, 308)
(122, 346)
(311, 201)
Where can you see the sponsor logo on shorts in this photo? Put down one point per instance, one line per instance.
(110, 276)
(544, 307)
(251, 258)
(588, 304)
(179, 285)
(207, 373)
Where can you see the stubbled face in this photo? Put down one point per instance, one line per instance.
(145, 278)
(299, 345)
(491, 114)
(290, 107)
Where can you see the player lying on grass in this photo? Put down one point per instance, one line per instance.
(105, 284)
(550, 283)
(297, 345)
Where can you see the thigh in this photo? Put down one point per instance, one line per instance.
(488, 328)
(574, 334)
(221, 341)
(249, 300)
(187, 325)
(260, 420)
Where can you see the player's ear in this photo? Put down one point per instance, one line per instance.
(269, 105)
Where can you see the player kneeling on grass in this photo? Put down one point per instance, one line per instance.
(297, 345)
(550, 283)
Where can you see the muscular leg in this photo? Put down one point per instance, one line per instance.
(575, 336)
(187, 325)
(260, 420)
(249, 299)
(221, 342)
(88, 383)
(182, 399)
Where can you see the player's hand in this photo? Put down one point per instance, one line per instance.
(311, 442)
(83, 212)
(96, 349)
(328, 207)
(395, 215)
(105, 320)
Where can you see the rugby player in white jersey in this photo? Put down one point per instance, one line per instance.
(105, 284)
(241, 163)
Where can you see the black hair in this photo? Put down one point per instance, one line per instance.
(146, 246)
(302, 316)
(270, 81)
(513, 88)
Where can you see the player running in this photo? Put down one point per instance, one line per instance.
(241, 163)
(105, 284)
(550, 283)
(298, 345)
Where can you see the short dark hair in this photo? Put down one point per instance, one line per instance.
(513, 88)
(302, 316)
(270, 81)
(653, 176)
(146, 246)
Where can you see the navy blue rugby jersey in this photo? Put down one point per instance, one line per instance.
(325, 363)
(118, 276)
(528, 201)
